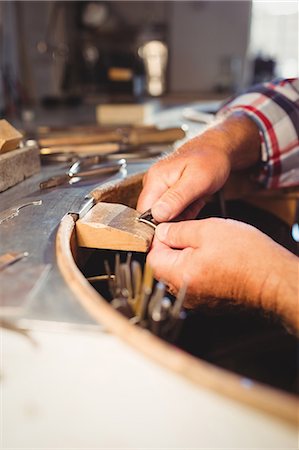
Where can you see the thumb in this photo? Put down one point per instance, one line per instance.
(180, 234)
(175, 199)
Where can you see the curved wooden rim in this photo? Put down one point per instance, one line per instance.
(269, 400)
(204, 374)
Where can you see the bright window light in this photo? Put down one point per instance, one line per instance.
(275, 34)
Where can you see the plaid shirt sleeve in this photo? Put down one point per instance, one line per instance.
(274, 107)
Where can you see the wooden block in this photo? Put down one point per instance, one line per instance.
(10, 138)
(113, 226)
(17, 165)
(124, 113)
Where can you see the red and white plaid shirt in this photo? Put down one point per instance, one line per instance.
(274, 107)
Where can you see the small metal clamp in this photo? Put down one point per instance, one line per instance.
(147, 218)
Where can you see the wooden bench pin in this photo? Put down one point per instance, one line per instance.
(10, 138)
(114, 226)
(16, 163)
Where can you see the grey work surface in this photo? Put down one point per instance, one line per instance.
(35, 282)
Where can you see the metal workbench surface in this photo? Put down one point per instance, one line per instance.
(34, 229)
(35, 282)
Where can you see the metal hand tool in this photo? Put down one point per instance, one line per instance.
(117, 279)
(77, 172)
(178, 304)
(156, 298)
(120, 285)
(58, 157)
(134, 296)
(147, 218)
(295, 226)
(122, 305)
(146, 291)
(126, 283)
(119, 151)
(83, 207)
(137, 284)
(140, 152)
(100, 278)
(123, 301)
(129, 259)
(160, 316)
(14, 211)
(172, 327)
(10, 258)
(111, 279)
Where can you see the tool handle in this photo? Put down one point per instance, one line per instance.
(134, 137)
(156, 136)
(102, 169)
(57, 180)
(104, 148)
(80, 140)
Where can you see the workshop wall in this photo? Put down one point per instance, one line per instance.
(207, 43)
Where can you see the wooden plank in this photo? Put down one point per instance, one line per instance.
(9, 137)
(136, 136)
(113, 226)
(124, 113)
(87, 149)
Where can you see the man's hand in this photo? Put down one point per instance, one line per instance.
(226, 259)
(178, 185)
(184, 179)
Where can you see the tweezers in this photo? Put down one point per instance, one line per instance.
(84, 168)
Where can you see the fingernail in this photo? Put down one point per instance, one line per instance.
(161, 211)
(162, 231)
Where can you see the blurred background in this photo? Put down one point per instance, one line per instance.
(74, 53)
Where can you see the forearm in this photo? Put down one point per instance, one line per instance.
(243, 141)
(238, 137)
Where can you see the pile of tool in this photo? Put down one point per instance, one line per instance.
(130, 142)
(136, 295)
(98, 151)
